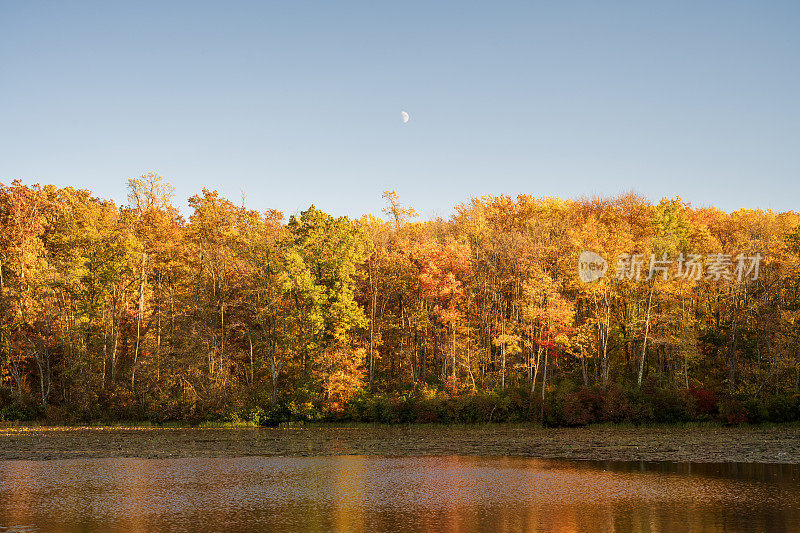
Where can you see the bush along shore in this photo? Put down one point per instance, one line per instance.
(565, 406)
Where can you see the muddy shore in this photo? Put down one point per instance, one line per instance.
(777, 444)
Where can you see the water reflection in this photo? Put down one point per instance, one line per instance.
(357, 493)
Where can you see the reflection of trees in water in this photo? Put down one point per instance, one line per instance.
(363, 493)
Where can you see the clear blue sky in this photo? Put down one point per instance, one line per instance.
(293, 103)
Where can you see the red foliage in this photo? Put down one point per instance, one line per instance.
(548, 340)
(705, 400)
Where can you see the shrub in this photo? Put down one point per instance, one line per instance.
(640, 406)
(705, 401)
(474, 408)
(518, 404)
(427, 411)
(582, 407)
(732, 412)
(670, 406)
(303, 411)
(781, 409)
(272, 416)
(564, 405)
(614, 406)
(574, 412)
(356, 407)
(377, 409)
(401, 410)
(21, 411)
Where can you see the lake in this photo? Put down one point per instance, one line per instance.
(377, 493)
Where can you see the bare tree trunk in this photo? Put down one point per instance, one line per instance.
(250, 340)
(373, 301)
(732, 347)
(685, 344)
(544, 382)
(453, 326)
(16, 374)
(602, 334)
(503, 374)
(41, 375)
(469, 365)
(646, 332)
(143, 280)
(275, 363)
(503, 357)
(583, 369)
(105, 349)
(158, 330)
(43, 365)
(114, 338)
(222, 342)
(536, 369)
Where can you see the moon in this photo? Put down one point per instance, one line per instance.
(405, 116)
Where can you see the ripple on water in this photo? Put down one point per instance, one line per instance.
(365, 493)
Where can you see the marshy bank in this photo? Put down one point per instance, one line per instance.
(679, 443)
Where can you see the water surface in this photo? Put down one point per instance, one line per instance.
(374, 493)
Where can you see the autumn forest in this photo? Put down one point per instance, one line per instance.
(134, 312)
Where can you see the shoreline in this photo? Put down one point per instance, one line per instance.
(698, 444)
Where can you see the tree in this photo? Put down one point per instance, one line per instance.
(25, 282)
(323, 257)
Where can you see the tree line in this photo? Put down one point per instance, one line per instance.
(133, 311)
